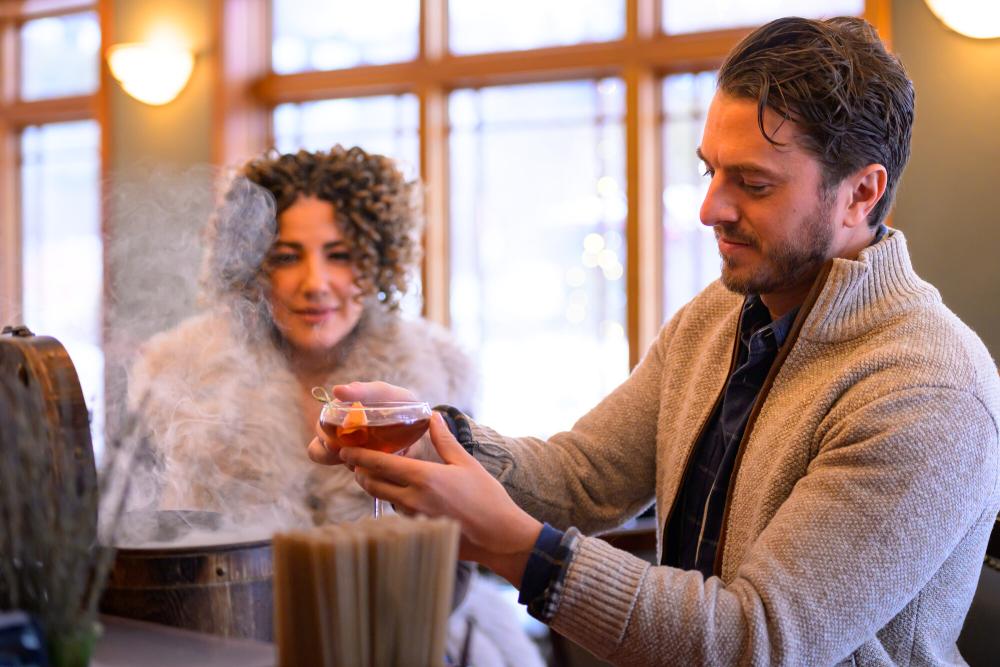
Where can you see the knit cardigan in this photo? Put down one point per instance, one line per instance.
(861, 501)
(225, 421)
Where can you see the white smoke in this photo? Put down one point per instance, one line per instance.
(175, 248)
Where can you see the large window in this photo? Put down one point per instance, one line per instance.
(690, 259)
(59, 56)
(556, 140)
(693, 17)
(50, 163)
(385, 124)
(334, 34)
(537, 279)
(482, 27)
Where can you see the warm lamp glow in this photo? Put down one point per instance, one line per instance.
(972, 18)
(154, 73)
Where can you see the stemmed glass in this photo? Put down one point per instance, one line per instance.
(386, 426)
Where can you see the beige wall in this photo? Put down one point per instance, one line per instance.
(948, 202)
(159, 176)
(180, 132)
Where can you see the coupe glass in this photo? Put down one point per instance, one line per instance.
(385, 427)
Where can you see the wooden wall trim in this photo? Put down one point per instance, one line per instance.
(660, 53)
(241, 119)
(10, 229)
(31, 9)
(15, 115)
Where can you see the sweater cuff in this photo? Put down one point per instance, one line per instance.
(598, 593)
(459, 426)
(545, 571)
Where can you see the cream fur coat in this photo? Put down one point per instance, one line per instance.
(224, 417)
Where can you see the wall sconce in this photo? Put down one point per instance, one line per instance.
(972, 18)
(151, 72)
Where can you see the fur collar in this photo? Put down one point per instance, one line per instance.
(223, 415)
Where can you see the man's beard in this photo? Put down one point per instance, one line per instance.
(785, 265)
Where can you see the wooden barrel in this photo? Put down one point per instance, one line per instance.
(43, 374)
(221, 589)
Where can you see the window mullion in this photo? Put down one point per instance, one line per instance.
(434, 173)
(877, 12)
(10, 227)
(433, 30)
(434, 160)
(643, 231)
(10, 232)
(642, 19)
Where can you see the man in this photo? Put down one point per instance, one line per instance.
(819, 433)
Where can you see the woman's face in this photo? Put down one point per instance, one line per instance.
(312, 278)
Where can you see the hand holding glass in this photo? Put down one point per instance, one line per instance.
(385, 426)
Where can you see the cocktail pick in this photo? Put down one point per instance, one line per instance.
(321, 395)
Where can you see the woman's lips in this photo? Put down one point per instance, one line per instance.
(315, 315)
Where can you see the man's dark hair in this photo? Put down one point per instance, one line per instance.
(835, 79)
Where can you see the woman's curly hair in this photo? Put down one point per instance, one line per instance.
(373, 202)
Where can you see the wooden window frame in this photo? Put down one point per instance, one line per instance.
(641, 58)
(17, 114)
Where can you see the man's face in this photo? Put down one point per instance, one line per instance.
(773, 222)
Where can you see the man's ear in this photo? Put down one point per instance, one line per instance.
(867, 187)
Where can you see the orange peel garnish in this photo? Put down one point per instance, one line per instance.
(355, 419)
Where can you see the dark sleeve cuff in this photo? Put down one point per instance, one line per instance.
(545, 570)
(459, 426)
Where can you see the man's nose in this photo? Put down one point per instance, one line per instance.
(718, 207)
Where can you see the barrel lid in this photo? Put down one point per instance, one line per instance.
(41, 368)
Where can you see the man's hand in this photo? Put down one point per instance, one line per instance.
(495, 531)
(366, 392)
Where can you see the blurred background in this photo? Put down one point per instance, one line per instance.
(555, 139)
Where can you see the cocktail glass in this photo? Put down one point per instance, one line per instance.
(385, 427)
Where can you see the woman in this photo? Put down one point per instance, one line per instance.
(308, 258)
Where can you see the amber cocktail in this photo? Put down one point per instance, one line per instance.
(386, 427)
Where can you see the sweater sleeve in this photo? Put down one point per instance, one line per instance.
(889, 502)
(574, 478)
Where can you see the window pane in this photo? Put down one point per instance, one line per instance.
(60, 56)
(477, 27)
(690, 258)
(537, 248)
(680, 16)
(334, 34)
(61, 226)
(387, 125)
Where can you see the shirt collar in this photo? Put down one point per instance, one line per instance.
(756, 317)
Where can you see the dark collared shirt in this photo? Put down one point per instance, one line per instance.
(691, 538)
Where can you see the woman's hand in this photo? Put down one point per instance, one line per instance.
(365, 392)
(495, 531)
(372, 392)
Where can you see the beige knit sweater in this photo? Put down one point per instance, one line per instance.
(861, 502)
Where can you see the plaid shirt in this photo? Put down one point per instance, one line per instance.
(691, 538)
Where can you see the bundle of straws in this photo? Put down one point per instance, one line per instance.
(375, 593)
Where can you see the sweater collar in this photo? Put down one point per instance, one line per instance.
(850, 297)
